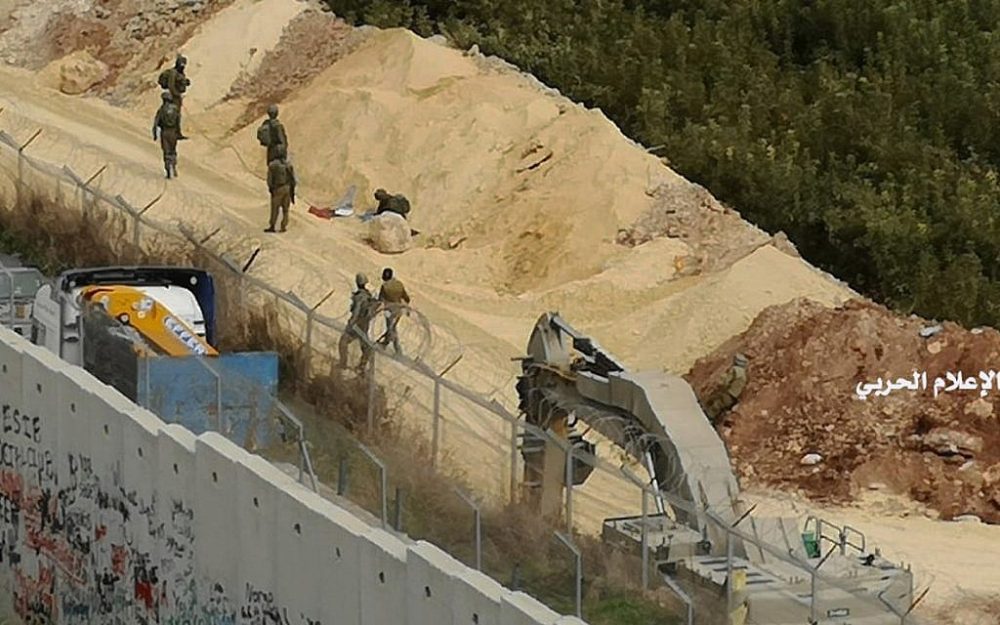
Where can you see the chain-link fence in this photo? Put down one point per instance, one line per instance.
(475, 435)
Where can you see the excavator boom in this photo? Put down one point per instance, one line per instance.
(164, 331)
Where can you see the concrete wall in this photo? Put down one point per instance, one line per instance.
(108, 515)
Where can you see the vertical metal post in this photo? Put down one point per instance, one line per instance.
(218, 402)
(398, 511)
(477, 517)
(436, 437)
(513, 461)
(569, 489)
(342, 478)
(579, 571)
(645, 540)
(812, 596)
(479, 540)
(729, 573)
(371, 392)
(383, 483)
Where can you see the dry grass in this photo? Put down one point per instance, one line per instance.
(334, 408)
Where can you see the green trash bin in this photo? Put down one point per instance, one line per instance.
(811, 544)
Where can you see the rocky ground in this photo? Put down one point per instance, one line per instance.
(801, 425)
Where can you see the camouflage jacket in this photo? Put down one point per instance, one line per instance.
(363, 306)
(167, 117)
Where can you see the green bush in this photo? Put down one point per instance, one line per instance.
(867, 131)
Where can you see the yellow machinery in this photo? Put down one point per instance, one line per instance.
(163, 330)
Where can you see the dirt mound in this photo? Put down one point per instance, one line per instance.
(540, 184)
(806, 365)
(310, 43)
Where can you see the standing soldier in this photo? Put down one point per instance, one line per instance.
(174, 81)
(394, 297)
(729, 390)
(166, 128)
(363, 307)
(281, 184)
(271, 134)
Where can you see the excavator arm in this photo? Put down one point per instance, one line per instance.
(163, 330)
(655, 417)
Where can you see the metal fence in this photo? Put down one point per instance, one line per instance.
(472, 432)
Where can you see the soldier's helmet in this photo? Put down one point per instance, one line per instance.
(360, 280)
(387, 273)
(740, 360)
(166, 97)
(381, 194)
(181, 60)
(272, 111)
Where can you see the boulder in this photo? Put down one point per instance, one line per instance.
(948, 442)
(389, 233)
(980, 408)
(80, 71)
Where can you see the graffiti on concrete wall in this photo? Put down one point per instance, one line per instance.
(79, 547)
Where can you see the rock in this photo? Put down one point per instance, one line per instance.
(991, 475)
(934, 347)
(389, 233)
(877, 486)
(967, 518)
(781, 242)
(75, 73)
(811, 459)
(980, 407)
(948, 442)
(930, 331)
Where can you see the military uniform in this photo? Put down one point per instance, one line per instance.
(281, 184)
(363, 307)
(727, 394)
(167, 126)
(393, 294)
(393, 204)
(176, 83)
(274, 132)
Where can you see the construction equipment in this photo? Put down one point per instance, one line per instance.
(132, 307)
(701, 537)
(150, 333)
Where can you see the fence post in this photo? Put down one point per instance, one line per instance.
(436, 436)
(579, 571)
(729, 573)
(383, 483)
(513, 461)
(477, 515)
(342, 478)
(398, 512)
(645, 540)
(371, 392)
(310, 315)
(569, 488)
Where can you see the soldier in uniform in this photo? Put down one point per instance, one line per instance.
(395, 299)
(729, 390)
(363, 308)
(281, 184)
(176, 83)
(271, 134)
(391, 203)
(166, 129)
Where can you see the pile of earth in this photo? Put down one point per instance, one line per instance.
(800, 423)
